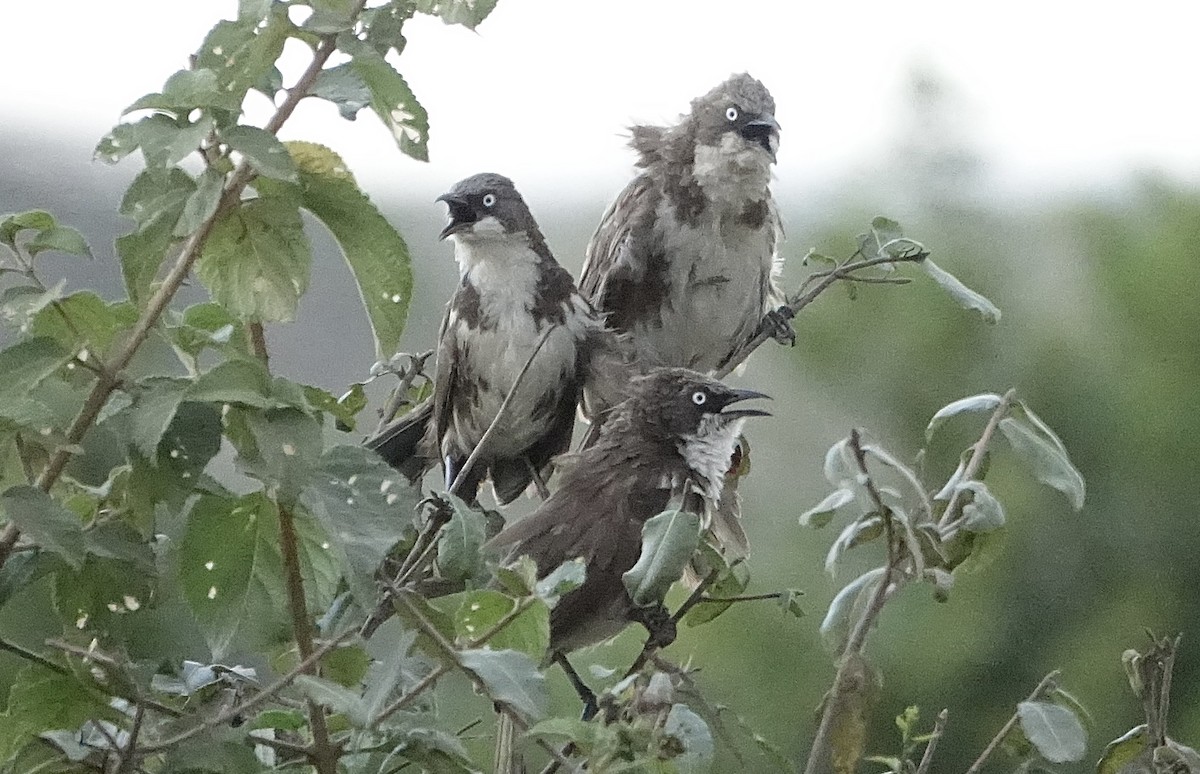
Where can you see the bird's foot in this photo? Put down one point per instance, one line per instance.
(439, 506)
(779, 324)
(658, 622)
(590, 705)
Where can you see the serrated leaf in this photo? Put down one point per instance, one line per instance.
(47, 523)
(984, 513)
(480, 611)
(83, 320)
(394, 103)
(11, 225)
(256, 261)
(242, 53)
(42, 700)
(469, 13)
(153, 409)
(835, 628)
(987, 401)
(459, 554)
(668, 541)
(335, 697)
(264, 152)
(822, 513)
(234, 381)
(1050, 464)
(26, 364)
(59, 239)
(342, 86)
(511, 678)
(201, 205)
(287, 446)
(226, 558)
(693, 733)
(961, 293)
(373, 249)
(363, 504)
(156, 200)
(1055, 731)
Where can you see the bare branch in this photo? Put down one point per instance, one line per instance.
(939, 728)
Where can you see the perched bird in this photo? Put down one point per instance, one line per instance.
(512, 291)
(685, 260)
(677, 427)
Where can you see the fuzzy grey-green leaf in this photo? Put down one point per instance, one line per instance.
(511, 677)
(986, 401)
(1055, 731)
(961, 293)
(1050, 464)
(668, 542)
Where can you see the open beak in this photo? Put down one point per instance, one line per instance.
(737, 396)
(762, 131)
(462, 215)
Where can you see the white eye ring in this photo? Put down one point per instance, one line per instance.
(698, 397)
(731, 113)
(489, 200)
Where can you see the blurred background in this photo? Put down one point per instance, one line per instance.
(1045, 153)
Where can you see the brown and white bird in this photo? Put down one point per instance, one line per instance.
(512, 291)
(678, 426)
(685, 260)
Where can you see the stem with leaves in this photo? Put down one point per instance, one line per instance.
(952, 517)
(108, 377)
(1048, 683)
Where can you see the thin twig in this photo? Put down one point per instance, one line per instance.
(255, 700)
(125, 764)
(952, 515)
(802, 298)
(652, 645)
(939, 728)
(745, 597)
(977, 766)
(892, 575)
(399, 396)
(107, 382)
(92, 655)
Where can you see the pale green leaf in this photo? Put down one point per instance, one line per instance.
(668, 541)
(822, 513)
(984, 513)
(394, 103)
(835, 628)
(44, 521)
(335, 697)
(511, 678)
(459, 551)
(265, 153)
(986, 401)
(468, 13)
(1054, 730)
(693, 733)
(480, 611)
(1049, 462)
(961, 293)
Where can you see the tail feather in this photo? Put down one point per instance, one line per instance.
(401, 443)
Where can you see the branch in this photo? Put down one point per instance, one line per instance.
(108, 380)
(125, 764)
(939, 728)
(1041, 688)
(952, 516)
(893, 577)
(408, 374)
(90, 655)
(801, 299)
(255, 700)
(653, 645)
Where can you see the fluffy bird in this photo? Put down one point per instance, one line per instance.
(512, 291)
(685, 260)
(678, 426)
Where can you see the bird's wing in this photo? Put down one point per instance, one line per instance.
(444, 378)
(400, 443)
(613, 246)
(774, 295)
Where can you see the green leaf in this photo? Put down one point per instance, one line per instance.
(335, 697)
(83, 320)
(287, 446)
(390, 675)
(42, 700)
(984, 513)
(189, 89)
(468, 13)
(1048, 459)
(47, 523)
(835, 628)
(11, 225)
(344, 410)
(987, 401)
(363, 504)
(242, 53)
(1122, 751)
(668, 541)
(822, 513)
(481, 610)
(265, 153)
(59, 239)
(26, 364)
(284, 720)
(696, 738)
(227, 562)
(156, 200)
(459, 551)
(342, 86)
(1054, 730)
(373, 249)
(234, 381)
(256, 261)
(394, 103)
(166, 141)
(961, 293)
(731, 581)
(563, 579)
(203, 202)
(511, 678)
(153, 409)
(346, 665)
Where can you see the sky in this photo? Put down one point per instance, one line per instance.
(1054, 94)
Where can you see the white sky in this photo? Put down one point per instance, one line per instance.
(1061, 93)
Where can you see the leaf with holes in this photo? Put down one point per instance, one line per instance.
(459, 550)
(482, 610)
(394, 103)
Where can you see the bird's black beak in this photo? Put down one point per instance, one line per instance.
(462, 214)
(737, 396)
(761, 131)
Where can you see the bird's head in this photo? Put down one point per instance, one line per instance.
(738, 114)
(486, 206)
(699, 417)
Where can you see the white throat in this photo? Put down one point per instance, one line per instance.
(708, 451)
(733, 172)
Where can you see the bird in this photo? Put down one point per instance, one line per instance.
(674, 433)
(512, 291)
(685, 260)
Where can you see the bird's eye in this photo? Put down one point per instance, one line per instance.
(698, 397)
(731, 113)
(489, 200)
